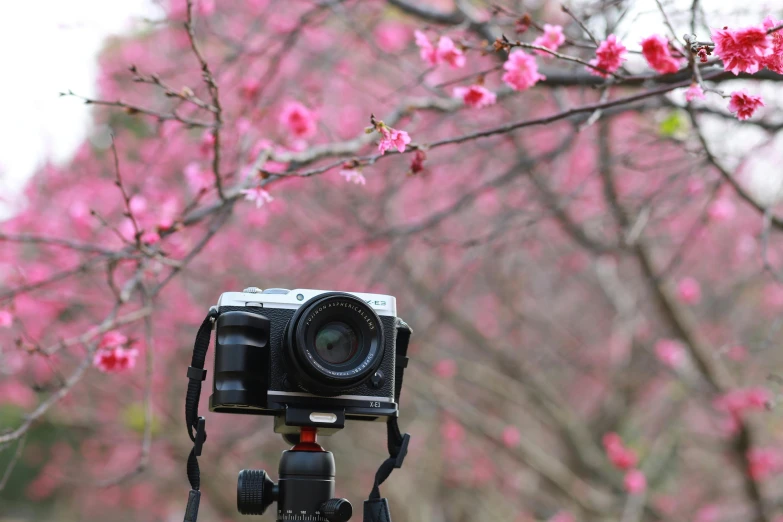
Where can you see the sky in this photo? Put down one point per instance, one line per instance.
(50, 46)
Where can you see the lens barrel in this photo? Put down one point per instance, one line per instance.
(333, 343)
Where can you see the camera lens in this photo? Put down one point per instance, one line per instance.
(336, 343)
(333, 342)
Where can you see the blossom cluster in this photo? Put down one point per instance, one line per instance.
(626, 460)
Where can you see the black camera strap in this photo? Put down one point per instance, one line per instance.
(196, 425)
(376, 508)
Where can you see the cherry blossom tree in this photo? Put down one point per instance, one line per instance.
(581, 226)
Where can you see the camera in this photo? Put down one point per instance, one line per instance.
(308, 357)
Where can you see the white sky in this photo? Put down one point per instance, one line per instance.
(49, 46)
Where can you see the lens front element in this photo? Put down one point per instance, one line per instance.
(336, 342)
(333, 342)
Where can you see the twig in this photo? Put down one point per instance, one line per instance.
(12, 464)
(587, 31)
(125, 197)
(209, 80)
(667, 21)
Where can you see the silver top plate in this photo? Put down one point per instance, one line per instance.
(382, 304)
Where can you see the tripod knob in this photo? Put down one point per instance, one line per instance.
(337, 510)
(255, 491)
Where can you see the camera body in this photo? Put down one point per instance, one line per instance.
(329, 354)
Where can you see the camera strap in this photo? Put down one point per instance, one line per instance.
(196, 425)
(376, 508)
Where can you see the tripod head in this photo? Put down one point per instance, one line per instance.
(305, 490)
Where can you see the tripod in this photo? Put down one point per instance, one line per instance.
(305, 488)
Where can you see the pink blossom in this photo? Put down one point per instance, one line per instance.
(741, 400)
(563, 516)
(737, 353)
(427, 52)
(115, 360)
(774, 62)
(14, 392)
(618, 454)
(392, 37)
(6, 319)
(744, 104)
(393, 138)
(722, 209)
(658, 54)
(449, 53)
(670, 352)
(298, 120)
(764, 462)
(742, 50)
(475, 96)
(198, 178)
(207, 143)
(609, 56)
(511, 436)
(257, 194)
(635, 482)
(112, 339)
(417, 163)
(354, 176)
(710, 513)
(689, 290)
(695, 186)
(445, 368)
(250, 88)
(452, 430)
(150, 237)
(694, 92)
(552, 39)
(521, 71)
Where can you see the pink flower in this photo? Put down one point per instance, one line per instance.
(115, 360)
(112, 339)
(694, 92)
(6, 319)
(449, 53)
(392, 37)
(689, 290)
(635, 482)
(657, 52)
(609, 56)
(427, 52)
(721, 209)
(207, 143)
(445, 368)
(552, 39)
(452, 430)
(511, 436)
(563, 516)
(298, 120)
(250, 88)
(257, 194)
(393, 138)
(521, 71)
(198, 179)
(742, 50)
(353, 175)
(744, 104)
(150, 237)
(619, 455)
(417, 163)
(764, 462)
(737, 402)
(737, 353)
(475, 96)
(670, 352)
(774, 62)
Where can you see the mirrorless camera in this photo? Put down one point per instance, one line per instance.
(328, 354)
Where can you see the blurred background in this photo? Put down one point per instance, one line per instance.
(592, 297)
